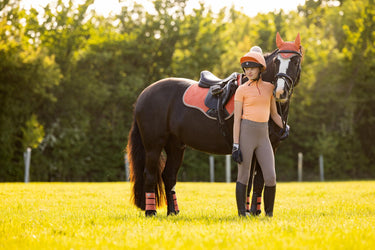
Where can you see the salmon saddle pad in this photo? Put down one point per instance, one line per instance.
(200, 98)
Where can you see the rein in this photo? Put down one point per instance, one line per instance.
(284, 112)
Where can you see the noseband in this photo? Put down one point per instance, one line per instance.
(288, 80)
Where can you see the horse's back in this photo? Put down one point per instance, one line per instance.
(162, 92)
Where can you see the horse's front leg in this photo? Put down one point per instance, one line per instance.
(258, 184)
(175, 152)
(250, 184)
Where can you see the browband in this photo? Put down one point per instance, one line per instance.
(290, 51)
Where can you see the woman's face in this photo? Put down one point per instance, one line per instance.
(252, 73)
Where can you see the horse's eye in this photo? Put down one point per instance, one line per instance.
(295, 61)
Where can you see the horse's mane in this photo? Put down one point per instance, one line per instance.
(270, 55)
(268, 75)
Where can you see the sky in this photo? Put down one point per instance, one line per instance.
(249, 7)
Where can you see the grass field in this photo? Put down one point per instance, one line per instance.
(330, 215)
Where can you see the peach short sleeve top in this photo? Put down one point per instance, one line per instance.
(256, 100)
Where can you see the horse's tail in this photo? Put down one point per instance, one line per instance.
(137, 160)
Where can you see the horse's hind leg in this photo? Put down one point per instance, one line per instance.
(151, 174)
(175, 153)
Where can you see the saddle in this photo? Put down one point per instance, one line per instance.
(220, 91)
(214, 97)
(208, 79)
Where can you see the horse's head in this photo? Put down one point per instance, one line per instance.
(287, 67)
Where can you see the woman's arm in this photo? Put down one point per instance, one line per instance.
(274, 115)
(237, 121)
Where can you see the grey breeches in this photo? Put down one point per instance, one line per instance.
(254, 139)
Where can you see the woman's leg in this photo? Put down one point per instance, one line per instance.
(266, 160)
(247, 149)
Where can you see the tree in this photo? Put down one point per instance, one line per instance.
(27, 77)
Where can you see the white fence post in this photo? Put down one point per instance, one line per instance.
(321, 167)
(27, 158)
(227, 168)
(300, 166)
(212, 169)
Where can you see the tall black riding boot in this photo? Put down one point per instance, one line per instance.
(269, 200)
(241, 198)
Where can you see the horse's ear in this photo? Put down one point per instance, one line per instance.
(279, 40)
(297, 42)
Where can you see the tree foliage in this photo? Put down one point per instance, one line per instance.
(69, 79)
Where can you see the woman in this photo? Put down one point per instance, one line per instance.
(254, 105)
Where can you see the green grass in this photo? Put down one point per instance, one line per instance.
(330, 215)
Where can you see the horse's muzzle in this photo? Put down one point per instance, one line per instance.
(280, 93)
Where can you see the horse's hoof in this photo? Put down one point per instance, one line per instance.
(252, 213)
(173, 212)
(256, 213)
(269, 214)
(150, 213)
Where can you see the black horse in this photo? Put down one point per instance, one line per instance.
(162, 122)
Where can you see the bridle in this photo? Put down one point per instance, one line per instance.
(290, 83)
(287, 79)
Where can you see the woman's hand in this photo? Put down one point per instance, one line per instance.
(285, 133)
(236, 153)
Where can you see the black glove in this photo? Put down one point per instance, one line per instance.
(285, 133)
(236, 153)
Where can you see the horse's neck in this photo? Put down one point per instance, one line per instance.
(269, 74)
